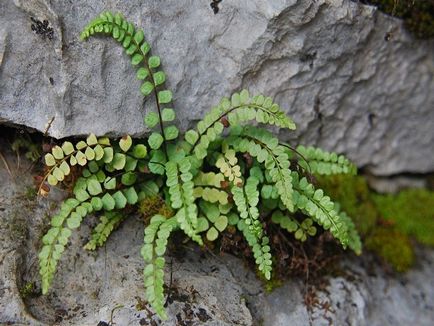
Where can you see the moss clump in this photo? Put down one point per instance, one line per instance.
(408, 214)
(418, 15)
(392, 246)
(411, 212)
(354, 196)
(153, 205)
(28, 290)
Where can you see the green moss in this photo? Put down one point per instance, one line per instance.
(31, 193)
(418, 15)
(411, 211)
(354, 196)
(408, 214)
(269, 285)
(28, 290)
(392, 246)
(154, 205)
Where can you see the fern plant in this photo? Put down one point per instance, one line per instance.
(222, 173)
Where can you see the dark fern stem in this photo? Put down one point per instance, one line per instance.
(42, 28)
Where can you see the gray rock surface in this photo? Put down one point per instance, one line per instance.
(205, 289)
(325, 61)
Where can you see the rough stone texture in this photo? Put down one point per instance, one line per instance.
(366, 296)
(325, 61)
(206, 289)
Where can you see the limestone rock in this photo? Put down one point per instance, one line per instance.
(325, 61)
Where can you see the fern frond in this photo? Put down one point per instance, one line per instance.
(153, 79)
(260, 144)
(153, 250)
(246, 200)
(320, 208)
(180, 183)
(325, 163)
(240, 108)
(354, 242)
(108, 222)
(260, 248)
(69, 217)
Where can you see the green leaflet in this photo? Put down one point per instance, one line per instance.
(168, 115)
(155, 140)
(151, 119)
(301, 230)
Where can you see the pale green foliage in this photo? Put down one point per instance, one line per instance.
(227, 163)
(101, 232)
(246, 199)
(321, 162)
(181, 196)
(155, 244)
(94, 191)
(209, 179)
(209, 187)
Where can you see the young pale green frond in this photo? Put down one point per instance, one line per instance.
(180, 184)
(108, 222)
(315, 160)
(155, 244)
(246, 200)
(227, 164)
(69, 217)
(240, 108)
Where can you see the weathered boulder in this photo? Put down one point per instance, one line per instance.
(327, 62)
